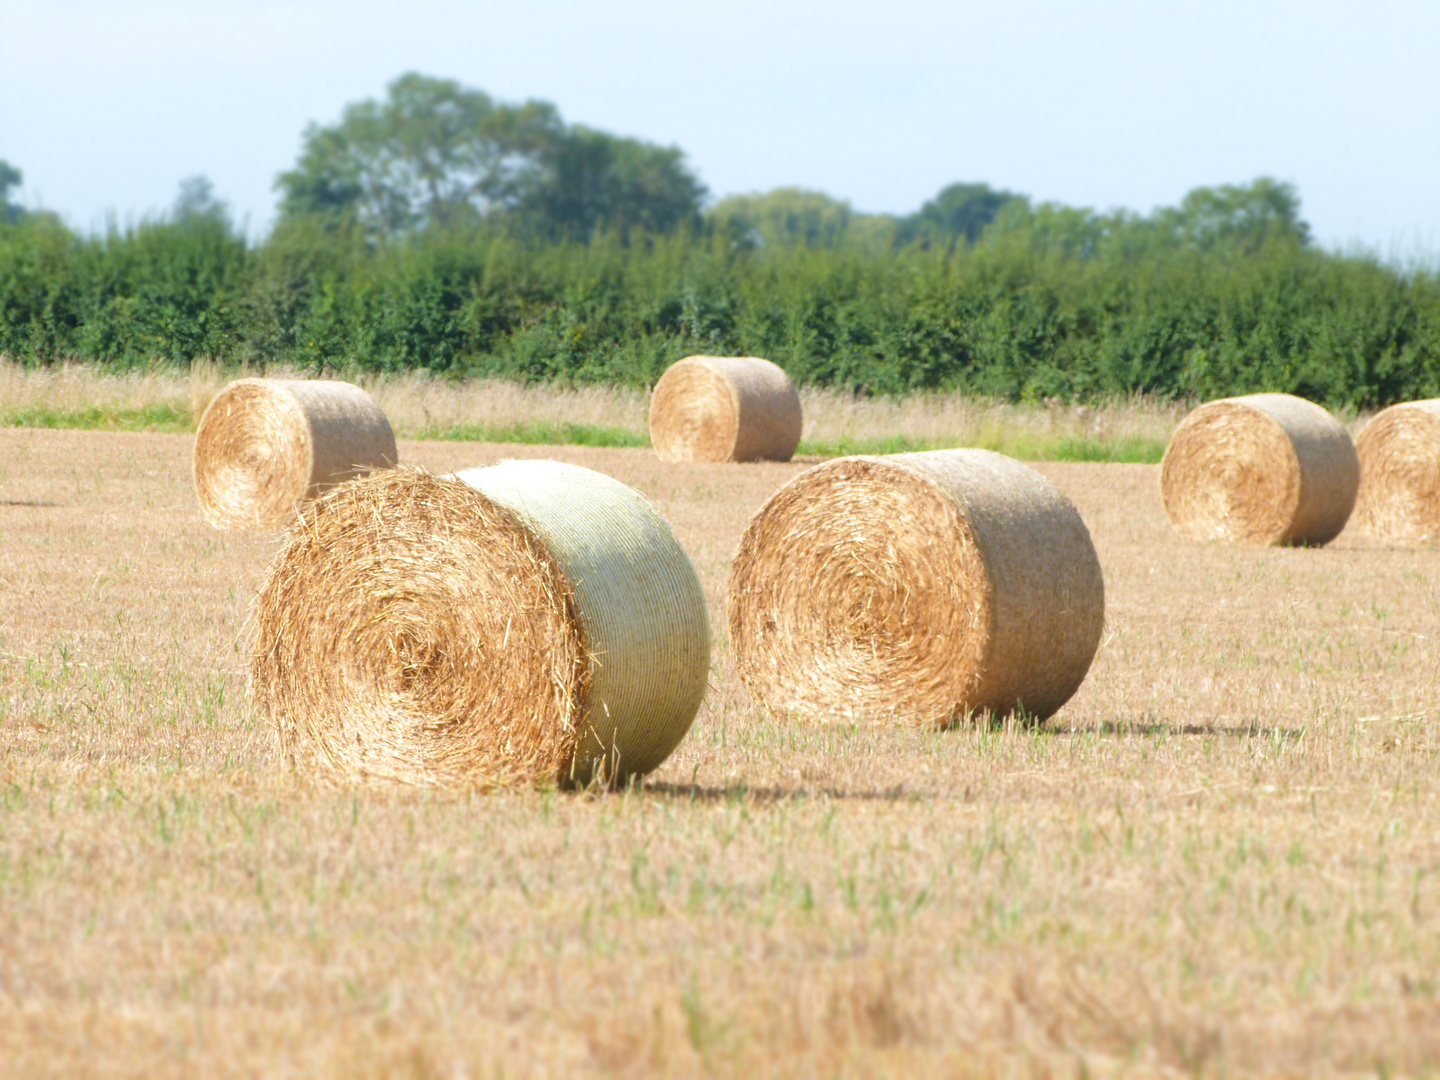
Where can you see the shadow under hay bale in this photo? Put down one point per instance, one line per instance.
(1399, 453)
(530, 622)
(725, 408)
(917, 587)
(1261, 469)
(265, 446)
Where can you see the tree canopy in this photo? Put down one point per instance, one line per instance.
(784, 217)
(196, 202)
(958, 212)
(1247, 214)
(435, 153)
(10, 177)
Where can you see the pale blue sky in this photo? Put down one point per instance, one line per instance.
(106, 106)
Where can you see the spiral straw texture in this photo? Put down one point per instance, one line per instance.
(1399, 454)
(917, 587)
(265, 446)
(725, 408)
(528, 622)
(1262, 469)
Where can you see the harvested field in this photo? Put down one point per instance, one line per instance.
(1222, 856)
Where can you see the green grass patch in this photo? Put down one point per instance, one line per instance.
(164, 418)
(538, 433)
(846, 445)
(1134, 450)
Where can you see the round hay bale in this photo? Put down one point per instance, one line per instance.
(530, 622)
(264, 446)
(919, 587)
(1399, 453)
(1261, 469)
(725, 408)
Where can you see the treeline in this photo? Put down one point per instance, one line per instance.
(438, 229)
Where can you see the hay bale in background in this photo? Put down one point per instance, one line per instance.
(725, 408)
(922, 587)
(528, 622)
(266, 445)
(1399, 451)
(1261, 469)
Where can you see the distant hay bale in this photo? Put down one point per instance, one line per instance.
(919, 587)
(530, 622)
(725, 408)
(264, 446)
(1261, 469)
(1399, 452)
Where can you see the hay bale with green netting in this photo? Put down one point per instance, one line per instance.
(725, 408)
(531, 622)
(1260, 469)
(265, 446)
(920, 588)
(1399, 451)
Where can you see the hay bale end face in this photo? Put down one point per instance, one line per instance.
(916, 587)
(525, 623)
(725, 408)
(1399, 453)
(1261, 469)
(264, 446)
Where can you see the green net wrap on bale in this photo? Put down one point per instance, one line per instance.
(725, 408)
(916, 587)
(1262, 469)
(1399, 452)
(526, 623)
(265, 446)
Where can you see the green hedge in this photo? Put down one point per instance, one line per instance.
(1032, 310)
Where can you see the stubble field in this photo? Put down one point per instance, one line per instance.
(1221, 857)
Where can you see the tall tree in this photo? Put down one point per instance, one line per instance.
(1244, 214)
(958, 212)
(588, 180)
(10, 177)
(196, 201)
(785, 217)
(434, 153)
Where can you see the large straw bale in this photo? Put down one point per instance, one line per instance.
(1261, 469)
(918, 587)
(265, 446)
(725, 408)
(530, 622)
(1399, 452)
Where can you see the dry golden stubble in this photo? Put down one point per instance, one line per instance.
(264, 446)
(1262, 469)
(1399, 452)
(725, 408)
(529, 622)
(918, 587)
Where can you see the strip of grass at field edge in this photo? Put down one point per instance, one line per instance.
(1132, 450)
(536, 433)
(159, 417)
(172, 420)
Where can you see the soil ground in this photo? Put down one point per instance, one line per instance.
(1223, 856)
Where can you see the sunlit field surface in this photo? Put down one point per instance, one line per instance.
(1221, 858)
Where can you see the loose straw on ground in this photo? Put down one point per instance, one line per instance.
(916, 587)
(1262, 469)
(530, 622)
(725, 408)
(1399, 452)
(265, 446)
